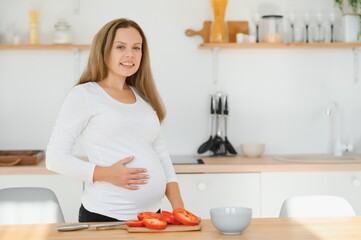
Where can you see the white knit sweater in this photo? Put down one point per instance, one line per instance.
(110, 131)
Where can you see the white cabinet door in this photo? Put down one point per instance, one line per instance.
(277, 187)
(201, 192)
(66, 189)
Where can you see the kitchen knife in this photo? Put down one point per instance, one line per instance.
(103, 226)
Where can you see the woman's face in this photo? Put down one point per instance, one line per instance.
(126, 52)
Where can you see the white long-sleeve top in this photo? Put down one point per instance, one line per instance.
(110, 131)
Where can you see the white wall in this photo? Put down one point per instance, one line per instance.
(277, 96)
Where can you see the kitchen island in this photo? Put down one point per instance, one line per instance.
(346, 228)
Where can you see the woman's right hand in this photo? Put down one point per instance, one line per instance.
(119, 175)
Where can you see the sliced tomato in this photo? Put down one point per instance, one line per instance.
(185, 217)
(143, 215)
(134, 223)
(154, 223)
(168, 217)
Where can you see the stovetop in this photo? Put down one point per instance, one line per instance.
(177, 160)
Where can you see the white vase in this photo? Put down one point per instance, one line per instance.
(350, 28)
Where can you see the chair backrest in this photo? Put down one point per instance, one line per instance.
(29, 205)
(316, 206)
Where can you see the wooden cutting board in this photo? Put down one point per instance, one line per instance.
(21, 157)
(233, 27)
(205, 32)
(170, 228)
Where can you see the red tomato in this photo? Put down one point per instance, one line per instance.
(185, 217)
(143, 215)
(168, 217)
(154, 223)
(134, 223)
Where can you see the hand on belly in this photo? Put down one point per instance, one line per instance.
(119, 175)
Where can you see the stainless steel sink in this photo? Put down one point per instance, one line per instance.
(319, 158)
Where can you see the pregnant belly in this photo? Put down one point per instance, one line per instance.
(154, 189)
(147, 197)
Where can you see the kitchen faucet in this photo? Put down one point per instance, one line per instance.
(338, 148)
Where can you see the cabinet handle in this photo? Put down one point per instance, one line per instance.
(356, 182)
(202, 186)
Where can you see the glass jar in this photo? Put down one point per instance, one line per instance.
(62, 33)
(272, 28)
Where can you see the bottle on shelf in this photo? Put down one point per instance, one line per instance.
(34, 15)
(219, 30)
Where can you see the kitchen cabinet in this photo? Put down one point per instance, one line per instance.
(201, 192)
(66, 189)
(277, 187)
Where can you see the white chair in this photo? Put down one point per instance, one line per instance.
(29, 205)
(316, 206)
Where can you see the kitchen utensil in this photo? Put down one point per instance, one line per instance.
(21, 157)
(231, 220)
(219, 147)
(229, 146)
(205, 32)
(104, 226)
(121, 225)
(209, 143)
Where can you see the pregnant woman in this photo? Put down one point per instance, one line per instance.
(117, 111)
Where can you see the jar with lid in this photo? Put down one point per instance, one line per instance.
(62, 33)
(272, 28)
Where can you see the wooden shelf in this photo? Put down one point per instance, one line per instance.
(43, 46)
(280, 45)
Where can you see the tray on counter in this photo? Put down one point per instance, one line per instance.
(21, 157)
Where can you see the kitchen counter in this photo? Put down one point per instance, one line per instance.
(239, 164)
(260, 228)
(235, 164)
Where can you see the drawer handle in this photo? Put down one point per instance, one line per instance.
(202, 186)
(356, 182)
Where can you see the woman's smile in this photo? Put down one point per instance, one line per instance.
(126, 52)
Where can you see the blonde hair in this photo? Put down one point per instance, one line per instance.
(142, 80)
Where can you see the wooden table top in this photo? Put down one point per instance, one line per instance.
(343, 228)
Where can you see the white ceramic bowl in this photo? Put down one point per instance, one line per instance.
(231, 220)
(253, 150)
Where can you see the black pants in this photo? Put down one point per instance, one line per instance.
(86, 216)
